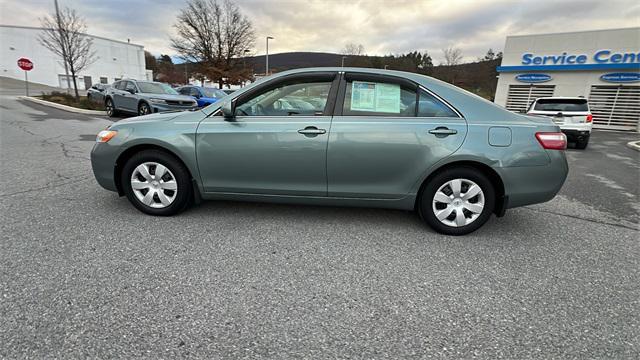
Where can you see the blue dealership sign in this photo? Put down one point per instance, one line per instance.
(621, 77)
(533, 78)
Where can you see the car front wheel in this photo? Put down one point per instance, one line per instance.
(156, 183)
(144, 109)
(457, 201)
(111, 110)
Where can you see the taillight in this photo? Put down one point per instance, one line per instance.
(552, 140)
(589, 118)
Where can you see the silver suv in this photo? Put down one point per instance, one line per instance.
(144, 97)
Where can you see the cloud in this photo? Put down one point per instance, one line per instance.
(383, 27)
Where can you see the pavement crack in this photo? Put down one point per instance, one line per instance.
(581, 218)
(43, 188)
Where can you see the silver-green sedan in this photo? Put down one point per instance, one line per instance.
(339, 136)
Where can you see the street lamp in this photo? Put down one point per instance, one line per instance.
(266, 67)
(344, 57)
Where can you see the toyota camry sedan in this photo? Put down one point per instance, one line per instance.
(339, 137)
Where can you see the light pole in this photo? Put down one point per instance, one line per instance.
(344, 57)
(266, 67)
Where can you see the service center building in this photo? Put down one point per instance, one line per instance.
(601, 65)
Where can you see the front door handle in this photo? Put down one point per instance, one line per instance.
(311, 131)
(443, 131)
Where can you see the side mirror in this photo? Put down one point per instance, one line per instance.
(228, 110)
(131, 91)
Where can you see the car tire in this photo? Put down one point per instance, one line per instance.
(144, 109)
(110, 108)
(439, 206)
(582, 144)
(153, 195)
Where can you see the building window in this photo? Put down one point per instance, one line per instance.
(520, 97)
(615, 106)
(104, 80)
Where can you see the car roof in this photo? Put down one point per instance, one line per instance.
(561, 98)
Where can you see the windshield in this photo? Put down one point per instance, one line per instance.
(156, 88)
(562, 105)
(213, 93)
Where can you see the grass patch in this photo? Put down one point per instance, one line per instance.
(70, 100)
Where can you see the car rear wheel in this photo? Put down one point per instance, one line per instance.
(156, 183)
(143, 109)
(457, 201)
(582, 144)
(111, 110)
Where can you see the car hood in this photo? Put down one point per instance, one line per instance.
(163, 116)
(167, 97)
(209, 99)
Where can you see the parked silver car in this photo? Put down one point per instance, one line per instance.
(96, 92)
(144, 97)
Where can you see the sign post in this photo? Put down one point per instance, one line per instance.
(26, 65)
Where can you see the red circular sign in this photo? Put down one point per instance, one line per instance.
(25, 64)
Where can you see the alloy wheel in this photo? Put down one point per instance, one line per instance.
(144, 109)
(109, 107)
(154, 185)
(458, 202)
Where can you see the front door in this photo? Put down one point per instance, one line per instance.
(386, 133)
(277, 142)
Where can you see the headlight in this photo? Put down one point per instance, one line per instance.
(105, 135)
(157, 101)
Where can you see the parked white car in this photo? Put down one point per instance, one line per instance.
(572, 114)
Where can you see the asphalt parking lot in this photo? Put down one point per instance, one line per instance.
(84, 274)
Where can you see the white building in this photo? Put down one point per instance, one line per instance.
(601, 65)
(113, 60)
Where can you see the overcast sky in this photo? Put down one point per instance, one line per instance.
(383, 27)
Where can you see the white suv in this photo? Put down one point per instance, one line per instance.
(572, 114)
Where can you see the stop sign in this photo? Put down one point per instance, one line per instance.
(25, 64)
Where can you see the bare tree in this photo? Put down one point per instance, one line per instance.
(452, 55)
(353, 49)
(214, 34)
(64, 35)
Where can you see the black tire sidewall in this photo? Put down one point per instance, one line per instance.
(582, 144)
(179, 171)
(475, 175)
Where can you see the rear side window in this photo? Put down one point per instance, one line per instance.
(430, 106)
(378, 99)
(561, 105)
(119, 85)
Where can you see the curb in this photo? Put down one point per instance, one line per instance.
(63, 107)
(635, 145)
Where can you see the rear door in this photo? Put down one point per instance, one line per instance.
(277, 143)
(386, 132)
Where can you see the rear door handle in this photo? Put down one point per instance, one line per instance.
(443, 131)
(312, 130)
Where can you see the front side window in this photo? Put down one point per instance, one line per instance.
(430, 106)
(288, 100)
(378, 99)
(194, 92)
(130, 87)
